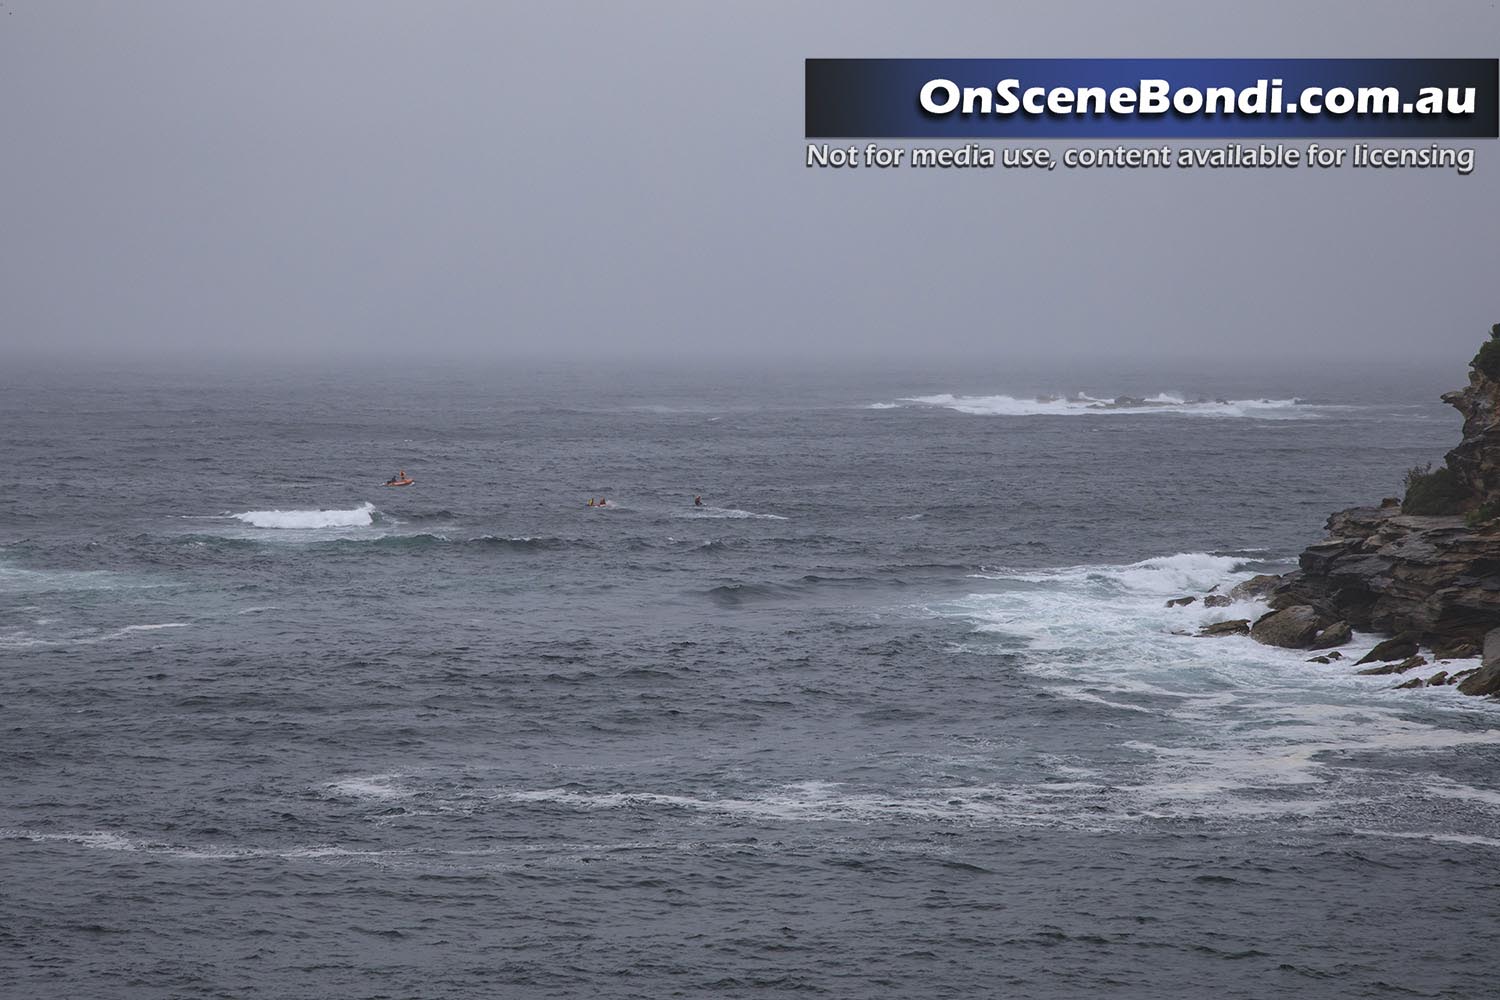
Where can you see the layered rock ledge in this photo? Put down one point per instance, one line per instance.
(1431, 577)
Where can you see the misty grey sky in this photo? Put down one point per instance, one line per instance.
(357, 178)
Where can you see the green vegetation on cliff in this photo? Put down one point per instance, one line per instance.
(1482, 514)
(1432, 491)
(1487, 361)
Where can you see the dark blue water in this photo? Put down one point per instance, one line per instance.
(898, 712)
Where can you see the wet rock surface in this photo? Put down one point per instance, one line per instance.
(1234, 626)
(1291, 628)
(1486, 680)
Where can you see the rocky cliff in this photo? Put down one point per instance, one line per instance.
(1425, 568)
(1476, 460)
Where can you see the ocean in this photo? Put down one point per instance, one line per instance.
(899, 711)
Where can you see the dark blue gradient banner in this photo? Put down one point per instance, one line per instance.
(1152, 98)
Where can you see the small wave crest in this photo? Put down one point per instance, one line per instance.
(17, 580)
(735, 594)
(364, 542)
(427, 539)
(424, 517)
(520, 543)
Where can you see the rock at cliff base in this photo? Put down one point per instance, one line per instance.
(1336, 634)
(1398, 648)
(1180, 602)
(1217, 601)
(1438, 679)
(1415, 682)
(1290, 628)
(1256, 586)
(1319, 659)
(1454, 651)
(1486, 680)
(1235, 626)
(1399, 667)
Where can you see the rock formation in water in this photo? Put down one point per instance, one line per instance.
(1424, 569)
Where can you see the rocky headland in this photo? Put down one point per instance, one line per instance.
(1423, 569)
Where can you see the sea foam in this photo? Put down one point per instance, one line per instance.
(1248, 730)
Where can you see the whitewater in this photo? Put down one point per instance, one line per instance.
(901, 710)
(362, 516)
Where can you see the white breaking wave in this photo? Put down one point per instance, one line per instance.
(1468, 840)
(150, 628)
(1080, 404)
(504, 855)
(108, 841)
(91, 838)
(1186, 572)
(360, 517)
(16, 638)
(730, 512)
(822, 801)
(376, 786)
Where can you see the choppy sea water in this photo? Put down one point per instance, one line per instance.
(899, 712)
